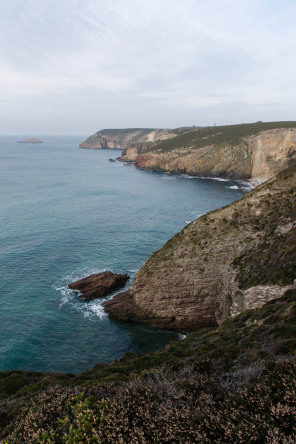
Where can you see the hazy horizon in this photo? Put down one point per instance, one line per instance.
(74, 68)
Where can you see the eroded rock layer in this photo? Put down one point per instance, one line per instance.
(122, 138)
(223, 263)
(237, 152)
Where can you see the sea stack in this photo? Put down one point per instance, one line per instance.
(99, 284)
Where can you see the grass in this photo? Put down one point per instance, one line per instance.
(217, 136)
(231, 384)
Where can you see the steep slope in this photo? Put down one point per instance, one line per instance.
(122, 138)
(231, 384)
(225, 262)
(244, 151)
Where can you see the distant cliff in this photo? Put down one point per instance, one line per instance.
(225, 262)
(122, 138)
(244, 151)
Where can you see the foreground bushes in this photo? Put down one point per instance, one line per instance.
(185, 407)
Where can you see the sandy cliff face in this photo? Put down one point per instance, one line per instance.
(131, 153)
(122, 138)
(229, 260)
(256, 156)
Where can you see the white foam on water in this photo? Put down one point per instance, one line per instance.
(181, 336)
(245, 185)
(233, 187)
(70, 298)
(187, 176)
(219, 179)
(168, 177)
(196, 214)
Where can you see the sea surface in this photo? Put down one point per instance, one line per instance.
(67, 213)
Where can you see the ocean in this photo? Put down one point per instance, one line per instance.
(67, 213)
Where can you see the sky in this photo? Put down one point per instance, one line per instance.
(78, 66)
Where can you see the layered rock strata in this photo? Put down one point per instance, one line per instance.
(227, 261)
(122, 138)
(237, 152)
(99, 284)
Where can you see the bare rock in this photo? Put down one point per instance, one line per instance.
(123, 138)
(120, 307)
(227, 261)
(99, 284)
(257, 154)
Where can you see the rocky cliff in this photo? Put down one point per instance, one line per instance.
(122, 138)
(245, 151)
(225, 262)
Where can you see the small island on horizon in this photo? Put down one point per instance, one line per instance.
(31, 140)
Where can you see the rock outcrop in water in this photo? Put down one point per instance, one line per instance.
(122, 138)
(31, 140)
(249, 151)
(225, 262)
(99, 284)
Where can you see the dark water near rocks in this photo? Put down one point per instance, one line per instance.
(66, 213)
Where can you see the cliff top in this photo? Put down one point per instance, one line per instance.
(125, 137)
(216, 136)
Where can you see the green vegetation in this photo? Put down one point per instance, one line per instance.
(216, 136)
(231, 384)
(271, 259)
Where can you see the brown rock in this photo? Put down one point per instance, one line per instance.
(99, 284)
(225, 262)
(123, 138)
(260, 155)
(120, 307)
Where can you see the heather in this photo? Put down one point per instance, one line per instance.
(232, 384)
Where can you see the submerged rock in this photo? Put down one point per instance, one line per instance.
(112, 160)
(99, 284)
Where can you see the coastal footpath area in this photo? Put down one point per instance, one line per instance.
(123, 138)
(227, 280)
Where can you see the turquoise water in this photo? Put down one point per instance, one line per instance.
(66, 213)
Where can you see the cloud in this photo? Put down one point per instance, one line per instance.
(190, 58)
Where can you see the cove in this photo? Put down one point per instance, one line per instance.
(67, 213)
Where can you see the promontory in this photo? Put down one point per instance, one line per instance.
(255, 151)
(123, 138)
(227, 261)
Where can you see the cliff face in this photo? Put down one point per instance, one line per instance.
(236, 152)
(122, 138)
(223, 263)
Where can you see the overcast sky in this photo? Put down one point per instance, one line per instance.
(77, 66)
